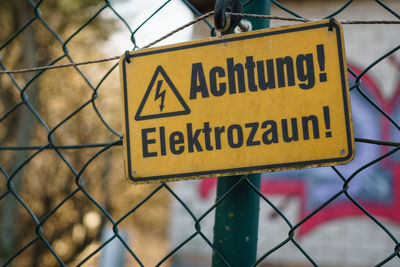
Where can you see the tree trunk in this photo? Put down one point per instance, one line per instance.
(24, 128)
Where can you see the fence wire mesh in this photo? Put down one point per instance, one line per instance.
(61, 155)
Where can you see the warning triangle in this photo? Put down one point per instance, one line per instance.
(161, 99)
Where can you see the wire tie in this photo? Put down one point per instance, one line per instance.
(331, 23)
(127, 58)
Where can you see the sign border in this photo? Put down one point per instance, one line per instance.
(330, 25)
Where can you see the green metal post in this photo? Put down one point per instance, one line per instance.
(236, 217)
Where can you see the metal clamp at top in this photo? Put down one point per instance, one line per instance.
(224, 23)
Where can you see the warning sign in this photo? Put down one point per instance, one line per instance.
(161, 99)
(261, 101)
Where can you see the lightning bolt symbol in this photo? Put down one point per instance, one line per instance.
(158, 95)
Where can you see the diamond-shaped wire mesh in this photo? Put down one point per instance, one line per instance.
(61, 158)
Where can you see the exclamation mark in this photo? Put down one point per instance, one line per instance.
(327, 121)
(321, 62)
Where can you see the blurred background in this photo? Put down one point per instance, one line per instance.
(63, 195)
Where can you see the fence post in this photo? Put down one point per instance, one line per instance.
(236, 217)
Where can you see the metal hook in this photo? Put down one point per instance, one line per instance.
(224, 23)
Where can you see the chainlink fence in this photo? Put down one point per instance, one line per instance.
(61, 158)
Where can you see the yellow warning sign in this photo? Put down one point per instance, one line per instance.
(261, 101)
